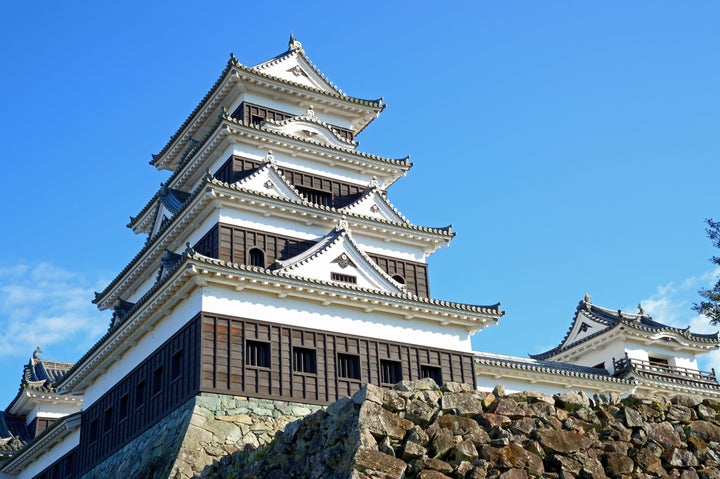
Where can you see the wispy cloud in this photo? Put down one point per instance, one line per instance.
(43, 305)
(671, 304)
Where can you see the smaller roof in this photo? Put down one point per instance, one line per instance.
(13, 434)
(373, 203)
(312, 128)
(549, 367)
(39, 375)
(591, 321)
(336, 257)
(294, 66)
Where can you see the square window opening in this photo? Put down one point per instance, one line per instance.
(348, 366)
(304, 360)
(257, 353)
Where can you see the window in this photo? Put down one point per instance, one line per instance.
(93, 432)
(140, 394)
(304, 360)
(398, 278)
(658, 361)
(257, 354)
(319, 197)
(157, 380)
(344, 278)
(123, 409)
(390, 371)
(176, 365)
(256, 257)
(348, 366)
(107, 420)
(600, 365)
(432, 372)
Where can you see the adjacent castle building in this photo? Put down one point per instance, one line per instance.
(277, 267)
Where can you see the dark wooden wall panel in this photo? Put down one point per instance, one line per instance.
(222, 350)
(252, 113)
(161, 383)
(232, 243)
(414, 274)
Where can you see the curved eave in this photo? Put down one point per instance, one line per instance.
(674, 384)
(340, 141)
(196, 270)
(500, 368)
(143, 222)
(214, 193)
(366, 109)
(678, 342)
(283, 284)
(233, 73)
(38, 446)
(27, 398)
(229, 131)
(306, 211)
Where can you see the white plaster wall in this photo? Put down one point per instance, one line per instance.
(162, 331)
(52, 410)
(49, 456)
(606, 353)
(343, 320)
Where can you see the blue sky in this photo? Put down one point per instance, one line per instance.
(572, 145)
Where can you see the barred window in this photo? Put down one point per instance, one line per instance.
(344, 278)
(390, 371)
(432, 372)
(304, 360)
(257, 354)
(348, 366)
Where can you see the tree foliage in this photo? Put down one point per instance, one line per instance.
(710, 305)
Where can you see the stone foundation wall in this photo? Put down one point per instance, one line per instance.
(204, 433)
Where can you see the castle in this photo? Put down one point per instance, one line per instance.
(277, 267)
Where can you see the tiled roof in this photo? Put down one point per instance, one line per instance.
(190, 258)
(480, 309)
(641, 322)
(233, 63)
(402, 162)
(13, 434)
(441, 231)
(338, 234)
(550, 367)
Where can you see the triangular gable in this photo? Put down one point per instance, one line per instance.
(309, 127)
(162, 215)
(294, 66)
(337, 258)
(268, 180)
(374, 204)
(582, 327)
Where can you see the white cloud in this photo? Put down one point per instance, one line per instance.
(43, 305)
(671, 304)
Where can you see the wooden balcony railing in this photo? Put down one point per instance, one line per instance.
(627, 364)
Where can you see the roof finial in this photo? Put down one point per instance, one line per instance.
(374, 182)
(309, 112)
(269, 157)
(587, 297)
(293, 44)
(37, 352)
(641, 311)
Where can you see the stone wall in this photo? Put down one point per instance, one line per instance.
(202, 434)
(419, 430)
